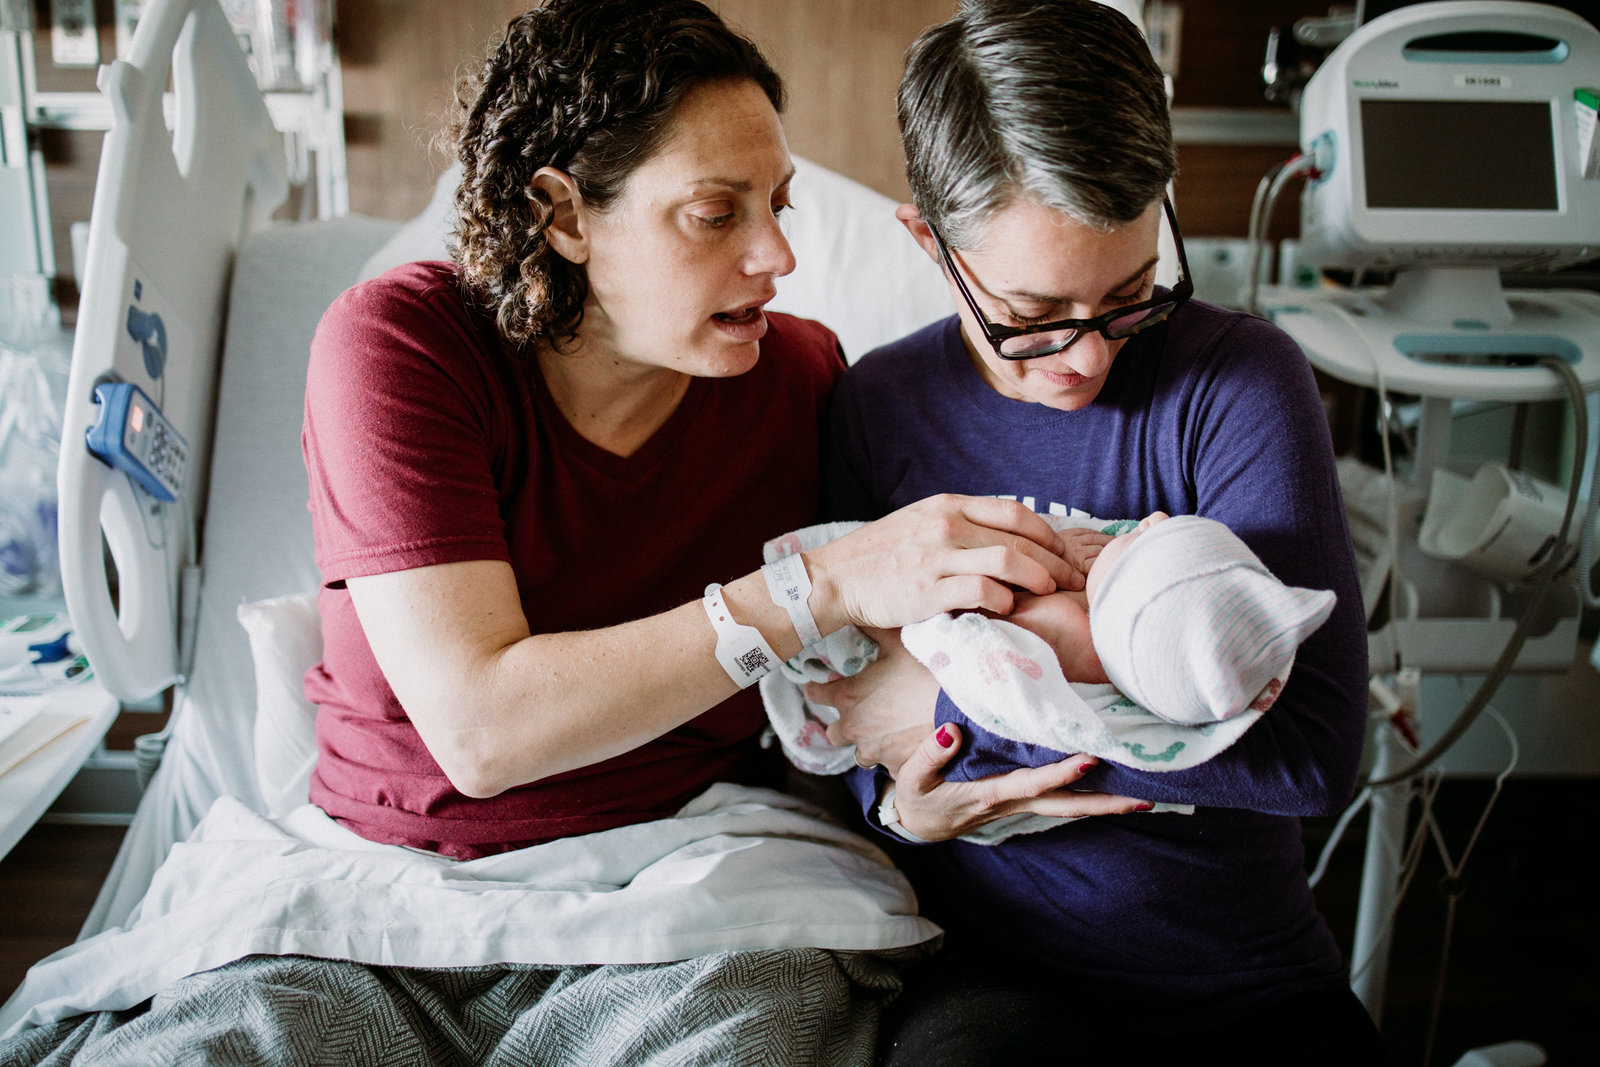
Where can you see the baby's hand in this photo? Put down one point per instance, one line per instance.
(886, 709)
(1080, 547)
(1115, 547)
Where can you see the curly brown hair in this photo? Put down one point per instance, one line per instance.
(588, 87)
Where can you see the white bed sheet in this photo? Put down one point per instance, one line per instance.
(736, 869)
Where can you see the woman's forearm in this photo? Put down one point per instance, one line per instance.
(499, 707)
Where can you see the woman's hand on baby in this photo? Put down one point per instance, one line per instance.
(937, 810)
(944, 553)
(886, 709)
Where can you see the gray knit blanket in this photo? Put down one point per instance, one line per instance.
(780, 1007)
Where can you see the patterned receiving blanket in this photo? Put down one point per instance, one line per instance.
(1003, 677)
(748, 919)
(783, 1007)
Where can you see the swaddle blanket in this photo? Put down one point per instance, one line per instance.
(1007, 679)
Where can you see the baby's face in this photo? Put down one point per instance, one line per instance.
(1114, 549)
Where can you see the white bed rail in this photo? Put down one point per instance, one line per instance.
(160, 254)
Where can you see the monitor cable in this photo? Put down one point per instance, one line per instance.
(1543, 582)
(1266, 198)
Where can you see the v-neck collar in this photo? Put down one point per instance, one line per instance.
(645, 458)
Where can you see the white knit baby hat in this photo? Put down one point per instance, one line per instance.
(1190, 625)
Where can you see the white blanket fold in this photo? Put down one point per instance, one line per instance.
(736, 869)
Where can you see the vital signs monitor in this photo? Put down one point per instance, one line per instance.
(1455, 134)
(1449, 142)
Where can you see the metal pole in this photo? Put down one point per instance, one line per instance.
(1380, 875)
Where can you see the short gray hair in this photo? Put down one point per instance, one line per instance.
(1059, 100)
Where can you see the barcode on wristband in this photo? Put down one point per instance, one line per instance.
(753, 662)
(741, 650)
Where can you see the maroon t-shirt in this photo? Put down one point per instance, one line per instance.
(429, 441)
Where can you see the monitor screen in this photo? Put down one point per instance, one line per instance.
(1459, 155)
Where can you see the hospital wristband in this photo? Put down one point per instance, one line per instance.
(790, 588)
(889, 817)
(741, 649)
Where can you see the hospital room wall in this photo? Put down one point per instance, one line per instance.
(841, 59)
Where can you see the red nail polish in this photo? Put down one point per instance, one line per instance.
(1085, 768)
(1145, 806)
(944, 737)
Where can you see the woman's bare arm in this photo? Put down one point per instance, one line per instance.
(498, 706)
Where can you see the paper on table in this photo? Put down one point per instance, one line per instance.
(26, 727)
(17, 712)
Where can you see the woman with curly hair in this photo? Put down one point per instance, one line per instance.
(530, 466)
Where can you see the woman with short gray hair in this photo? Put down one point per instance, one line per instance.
(1039, 151)
(989, 112)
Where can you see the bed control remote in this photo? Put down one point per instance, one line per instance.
(132, 435)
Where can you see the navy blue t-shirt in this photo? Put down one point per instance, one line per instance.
(1215, 413)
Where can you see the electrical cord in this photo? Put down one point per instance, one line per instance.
(1266, 197)
(1255, 239)
(1410, 863)
(1454, 872)
(1426, 793)
(1586, 561)
(1336, 836)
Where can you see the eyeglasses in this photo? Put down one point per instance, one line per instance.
(1047, 338)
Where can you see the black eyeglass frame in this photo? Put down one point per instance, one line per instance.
(997, 334)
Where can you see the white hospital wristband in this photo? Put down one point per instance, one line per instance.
(790, 588)
(741, 649)
(889, 817)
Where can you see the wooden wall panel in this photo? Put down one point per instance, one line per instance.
(841, 62)
(400, 61)
(840, 58)
(1221, 47)
(401, 58)
(1217, 183)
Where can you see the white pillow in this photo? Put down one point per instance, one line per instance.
(285, 641)
(857, 270)
(425, 237)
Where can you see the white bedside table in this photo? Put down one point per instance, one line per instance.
(29, 788)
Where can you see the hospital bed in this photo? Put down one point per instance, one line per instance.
(196, 319)
(246, 297)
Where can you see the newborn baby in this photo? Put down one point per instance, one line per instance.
(1182, 618)
(1180, 641)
